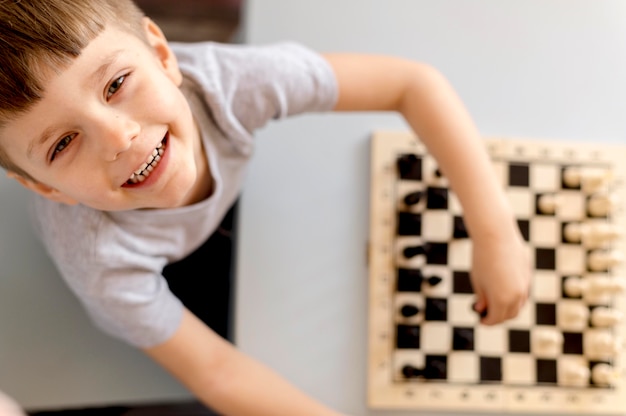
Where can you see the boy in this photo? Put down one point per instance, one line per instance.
(136, 150)
(8, 407)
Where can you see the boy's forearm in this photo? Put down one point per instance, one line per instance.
(437, 115)
(227, 380)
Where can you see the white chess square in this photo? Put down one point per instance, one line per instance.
(404, 357)
(436, 225)
(571, 259)
(522, 201)
(525, 318)
(546, 286)
(545, 231)
(490, 340)
(460, 311)
(519, 369)
(436, 337)
(571, 205)
(404, 188)
(443, 289)
(460, 254)
(545, 177)
(463, 367)
(402, 299)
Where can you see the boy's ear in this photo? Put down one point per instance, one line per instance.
(159, 44)
(42, 189)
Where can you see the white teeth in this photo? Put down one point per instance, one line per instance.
(146, 168)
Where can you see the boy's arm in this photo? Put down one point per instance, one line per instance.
(501, 268)
(227, 380)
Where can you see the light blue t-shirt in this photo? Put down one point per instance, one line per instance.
(113, 260)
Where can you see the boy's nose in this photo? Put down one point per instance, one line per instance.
(119, 134)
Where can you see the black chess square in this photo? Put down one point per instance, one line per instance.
(436, 198)
(519, 340)
(545, 258)
(436, 253)
(436, 367)
(408, 336)
(546, 371)
(436, 309)
(524, 227)
(461, 282)
(573, 343)
(409, 223)
(410, 167)
(463, 339)
(410, 280)
(490, 369)
(519, 174)
(545, 313)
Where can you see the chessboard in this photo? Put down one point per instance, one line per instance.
(563, 352)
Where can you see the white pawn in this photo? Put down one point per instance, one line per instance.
(589, 179)
(591, 235)
(576, 374)
(547, 203)
(604, 259)
(603, 374)
(605, 317)
(603, 284)
(601, 345)
(574, 286)
(601, 205)
(573, 316)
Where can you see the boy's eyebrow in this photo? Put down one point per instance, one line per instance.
(39, 141)
(102, 69)
(92, 79)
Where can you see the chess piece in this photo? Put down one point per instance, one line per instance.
(573, 316)
(547, 342)
(589, 179)
(604, 284)
(547, 203)
(574, 286)
(600, 205)
(575, 374)
(605, 317)
(603, 374)
(601, 345)
(599, 260)
(591, 235)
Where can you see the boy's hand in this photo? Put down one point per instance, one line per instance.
(500, 276)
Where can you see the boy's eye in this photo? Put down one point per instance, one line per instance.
(62, 145)
(115, 85)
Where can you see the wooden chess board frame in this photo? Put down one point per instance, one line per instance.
(415, 394)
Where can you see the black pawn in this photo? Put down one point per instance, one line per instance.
(413, 198)
(409, 310)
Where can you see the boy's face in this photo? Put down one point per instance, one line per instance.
(102, 119)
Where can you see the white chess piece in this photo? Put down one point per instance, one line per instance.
(576, 374)
(547, 203)
(573, 316)
(604, 259)
(600, 205)
(574, 286)
(590, 179)
(603, 374)
(592, 235)
(604, 284)
(605, 317)
(601, 345)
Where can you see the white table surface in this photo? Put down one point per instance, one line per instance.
(525, 68)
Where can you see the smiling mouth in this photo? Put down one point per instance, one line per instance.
(149, 165)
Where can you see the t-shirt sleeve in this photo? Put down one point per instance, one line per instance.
(121, 288)
(248, 86)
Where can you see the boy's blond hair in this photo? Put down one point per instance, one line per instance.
(37, 36)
